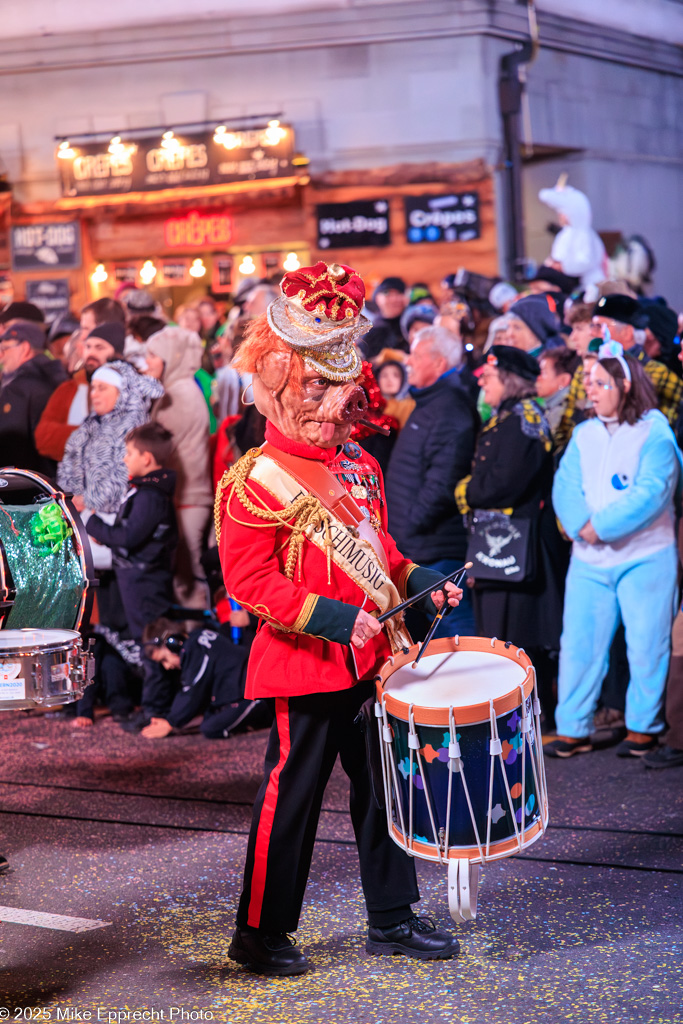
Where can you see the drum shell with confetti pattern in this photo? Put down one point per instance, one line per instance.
(474, 698)
(46, 570)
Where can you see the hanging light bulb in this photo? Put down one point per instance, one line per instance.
(148, 272)
(247, 266)
(197, 269)
(119, 149)
(292, 262)
(273, 134)
(225, 138)
(99, 274)
(65, 152)
(169, 141)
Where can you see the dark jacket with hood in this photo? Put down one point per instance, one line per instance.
(432, 452)
(22, 400)
(143, 540)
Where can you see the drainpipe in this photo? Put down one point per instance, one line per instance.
(511, 81)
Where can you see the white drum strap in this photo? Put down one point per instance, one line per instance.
(456, 764)
(496, 751)
(538, 762)
(414, 747)
(463, 886)
(379, 715)
(387, 738)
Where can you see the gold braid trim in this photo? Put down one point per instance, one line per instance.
(306, 511)
(402, 584)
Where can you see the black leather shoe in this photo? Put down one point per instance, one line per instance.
(268, 953)
(4, 864)
(417, 937)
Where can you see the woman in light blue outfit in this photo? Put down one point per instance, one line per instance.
(614, 493)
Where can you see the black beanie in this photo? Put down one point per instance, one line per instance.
(663, 322)
(113, 333)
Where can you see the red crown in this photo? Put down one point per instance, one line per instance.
(335, 293)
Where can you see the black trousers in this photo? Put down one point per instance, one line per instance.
(307, 735)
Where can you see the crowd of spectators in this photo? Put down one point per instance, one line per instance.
(534, 409)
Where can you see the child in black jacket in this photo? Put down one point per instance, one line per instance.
(143, 541)
(212, 675)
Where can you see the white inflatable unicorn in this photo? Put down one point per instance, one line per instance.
(577, 249)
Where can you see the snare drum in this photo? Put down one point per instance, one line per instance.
(42, 668)
(46, 571)
(462, 759)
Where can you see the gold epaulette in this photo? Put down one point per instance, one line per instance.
(238, 472)
(304, 511)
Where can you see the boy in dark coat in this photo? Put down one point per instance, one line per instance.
(143, 540)
(212, 675)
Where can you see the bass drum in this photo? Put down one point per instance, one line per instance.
(46, 568)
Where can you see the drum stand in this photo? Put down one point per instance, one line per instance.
(463, 887)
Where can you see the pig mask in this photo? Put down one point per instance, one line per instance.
(306, 370)
(303, 405)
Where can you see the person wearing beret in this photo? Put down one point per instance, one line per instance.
(512, 471)
(621, 318)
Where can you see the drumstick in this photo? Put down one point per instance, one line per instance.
(443, 611)
(425, 593)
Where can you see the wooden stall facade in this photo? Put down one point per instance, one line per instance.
(274, 217)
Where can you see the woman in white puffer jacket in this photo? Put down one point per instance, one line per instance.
(615, 494)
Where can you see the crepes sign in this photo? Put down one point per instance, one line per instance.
(186, 160)
(449, 218)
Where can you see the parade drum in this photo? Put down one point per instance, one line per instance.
(461, 754)
(42, 668)
(46, 571)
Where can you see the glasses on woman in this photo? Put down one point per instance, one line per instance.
(603, 387)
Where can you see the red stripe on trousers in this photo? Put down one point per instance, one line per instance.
(265, 825)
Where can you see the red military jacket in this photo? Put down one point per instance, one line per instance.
(303, 643)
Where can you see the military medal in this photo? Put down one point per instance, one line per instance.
(357, 491)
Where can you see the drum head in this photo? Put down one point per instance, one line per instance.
(15, 640)
(458, 679)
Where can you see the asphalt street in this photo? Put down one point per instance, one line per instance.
(125, 868)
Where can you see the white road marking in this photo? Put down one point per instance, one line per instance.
(12, 915)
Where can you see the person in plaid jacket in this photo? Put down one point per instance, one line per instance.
(626, 322)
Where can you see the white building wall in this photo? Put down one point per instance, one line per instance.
(366, 83)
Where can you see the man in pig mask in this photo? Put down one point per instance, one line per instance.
(302, 532)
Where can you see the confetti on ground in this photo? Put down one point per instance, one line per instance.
(587, 927)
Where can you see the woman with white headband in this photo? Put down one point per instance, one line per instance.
(93, 468)
(615, 493)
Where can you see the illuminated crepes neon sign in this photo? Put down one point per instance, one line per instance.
(197, 231)
(176, 159)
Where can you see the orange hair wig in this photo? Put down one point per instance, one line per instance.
(261, 341)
